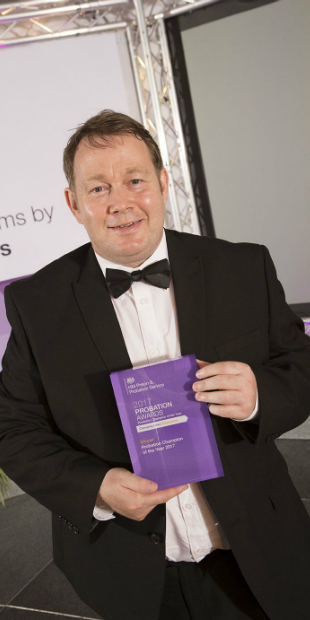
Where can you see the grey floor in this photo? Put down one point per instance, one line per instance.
(32, 588)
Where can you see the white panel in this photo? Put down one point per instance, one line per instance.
(249, 77)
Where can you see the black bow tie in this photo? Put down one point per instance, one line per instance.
(157, 274)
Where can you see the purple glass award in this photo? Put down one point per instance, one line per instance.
(169, 434)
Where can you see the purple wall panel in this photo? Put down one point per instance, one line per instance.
(5, 327)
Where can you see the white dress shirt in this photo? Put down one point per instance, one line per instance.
(148, 320)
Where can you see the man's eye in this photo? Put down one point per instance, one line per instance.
(135, 181)
(97, 189)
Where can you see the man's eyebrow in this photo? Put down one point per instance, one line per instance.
(136, 169)
(96, 177)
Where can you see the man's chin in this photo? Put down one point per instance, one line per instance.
(128, 258)
(130, 251)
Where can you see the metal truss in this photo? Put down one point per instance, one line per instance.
(143, 22)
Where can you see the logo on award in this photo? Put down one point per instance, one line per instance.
(128, 382)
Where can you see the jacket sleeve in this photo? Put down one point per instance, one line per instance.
(284, 380)
(33, 453)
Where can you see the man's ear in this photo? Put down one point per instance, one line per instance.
(164, 183)
(72, 204)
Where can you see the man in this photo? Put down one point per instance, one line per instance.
(230, 548)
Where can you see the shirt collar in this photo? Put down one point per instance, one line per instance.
(160, 253)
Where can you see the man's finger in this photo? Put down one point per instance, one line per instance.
(219, 382)
(226, 411)
(220, 368)
(222, 397)
(201, 363)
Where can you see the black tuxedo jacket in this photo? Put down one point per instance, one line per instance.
(60, 431)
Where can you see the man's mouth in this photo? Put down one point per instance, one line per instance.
(126, 225)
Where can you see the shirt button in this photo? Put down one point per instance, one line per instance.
(154, 351)
(144, 300)
(188, 506)
(199, 550)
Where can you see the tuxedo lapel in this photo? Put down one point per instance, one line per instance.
(190, 295)
(95, 304)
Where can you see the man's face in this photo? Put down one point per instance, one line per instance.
(119, 199)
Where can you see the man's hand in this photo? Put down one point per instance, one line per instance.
(132, 496)
(229, 388)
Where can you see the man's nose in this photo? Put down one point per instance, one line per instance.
(118, 199)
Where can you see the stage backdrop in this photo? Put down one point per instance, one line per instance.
(48, 89)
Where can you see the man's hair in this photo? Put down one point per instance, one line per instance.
(102, 129)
